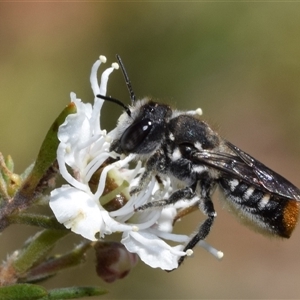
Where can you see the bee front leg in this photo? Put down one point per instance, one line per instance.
(155, 164)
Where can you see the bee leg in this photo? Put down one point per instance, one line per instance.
(185, 193)
(156, 163)
(201, 235)
(144, 180)
(206, 206)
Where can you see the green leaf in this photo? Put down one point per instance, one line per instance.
(27, 171)
(4, 197)
(22, 292)
(75, 293)
(58, 263)
(9, 163)
(35, 292)
(38, 248)
(37, 220)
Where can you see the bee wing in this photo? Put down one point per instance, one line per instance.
(245, 167)
(271, 180)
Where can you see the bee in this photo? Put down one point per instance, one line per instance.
(180, 145)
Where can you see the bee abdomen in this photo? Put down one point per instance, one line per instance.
(267, 212)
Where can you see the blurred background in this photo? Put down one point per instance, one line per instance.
(239, 62)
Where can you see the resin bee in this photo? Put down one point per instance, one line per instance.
(181, 145)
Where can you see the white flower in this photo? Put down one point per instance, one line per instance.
(81, 204)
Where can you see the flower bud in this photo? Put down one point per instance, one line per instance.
(113, 261)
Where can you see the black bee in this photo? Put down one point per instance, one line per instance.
(180, 145)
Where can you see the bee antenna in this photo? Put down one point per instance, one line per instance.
(127, 80)
(117, 102)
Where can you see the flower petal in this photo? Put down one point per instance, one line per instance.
(152, 250)
(76, 210)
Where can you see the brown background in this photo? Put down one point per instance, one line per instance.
(240, 62)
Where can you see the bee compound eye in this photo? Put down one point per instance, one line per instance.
(135, 134)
